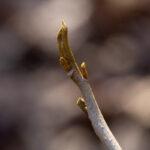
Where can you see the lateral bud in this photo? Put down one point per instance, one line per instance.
(65, 64)
(82, 104)
(83, 70)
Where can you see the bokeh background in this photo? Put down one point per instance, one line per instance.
(38, 101)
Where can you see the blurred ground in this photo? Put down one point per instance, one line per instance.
(38, 102)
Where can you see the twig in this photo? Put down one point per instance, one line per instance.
(67, 60)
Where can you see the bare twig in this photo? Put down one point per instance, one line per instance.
(67, 60)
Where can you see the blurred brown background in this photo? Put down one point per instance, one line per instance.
(38, 101)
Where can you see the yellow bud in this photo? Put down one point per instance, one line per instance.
(84, 71)
(82, 104)
(65, 64)
(67, 59)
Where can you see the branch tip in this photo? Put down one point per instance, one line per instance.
(67, 60)
(63, 44)
(64, 25)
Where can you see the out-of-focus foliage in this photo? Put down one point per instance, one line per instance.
(38, 102)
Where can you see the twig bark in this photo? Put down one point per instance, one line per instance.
(67, 60)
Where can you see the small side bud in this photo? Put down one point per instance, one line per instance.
(82, 104)
(65, 64)
(84, 71)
